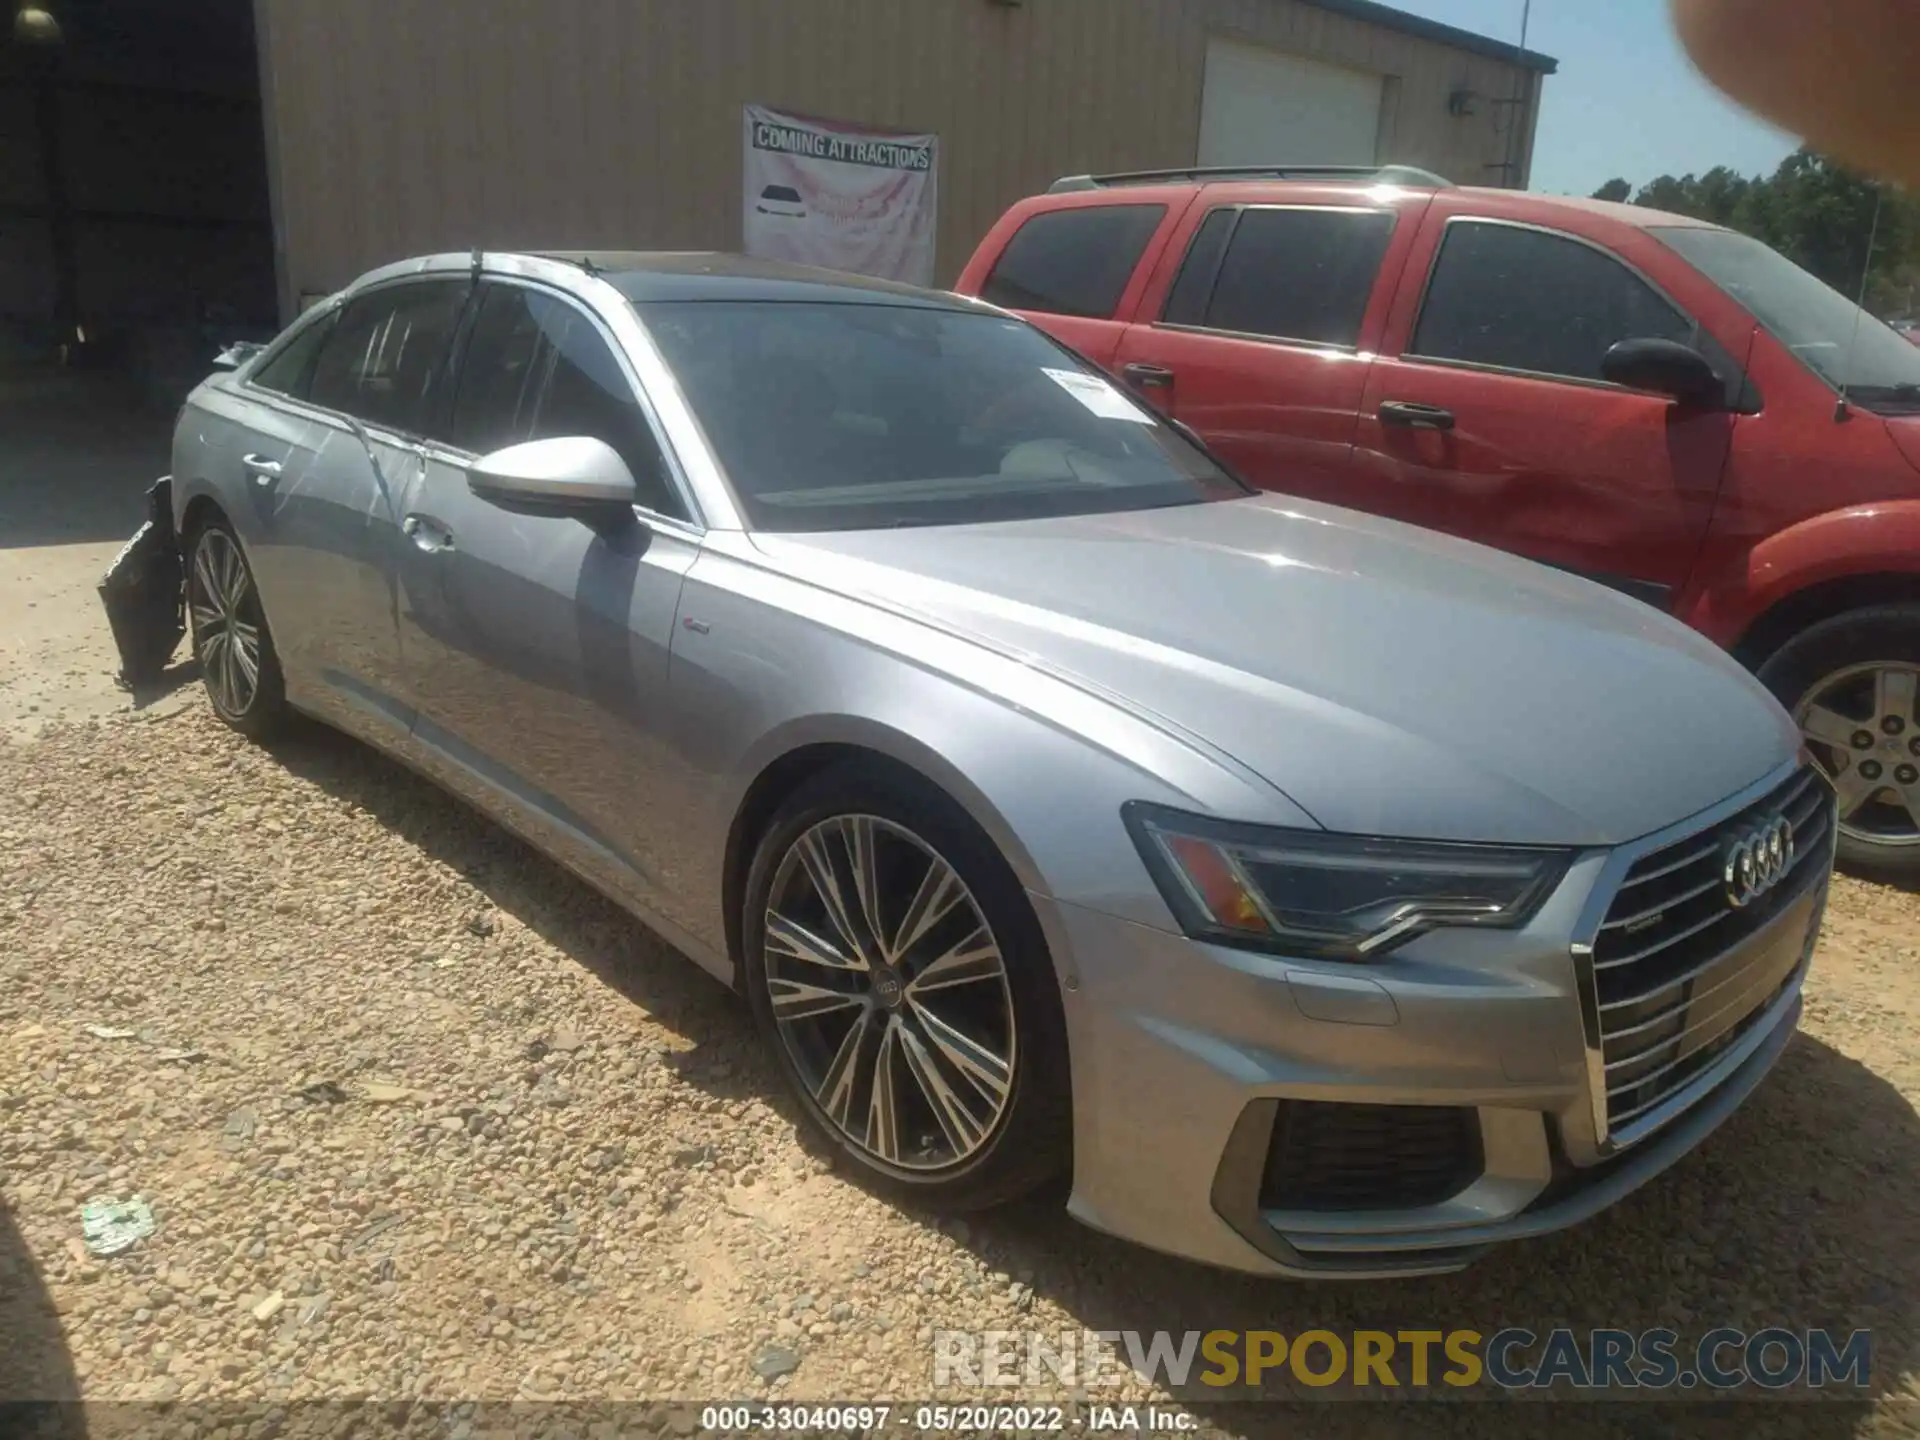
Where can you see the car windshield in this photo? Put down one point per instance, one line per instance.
(1832, 336)
(863, 416)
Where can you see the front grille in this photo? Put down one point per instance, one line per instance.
(1674, 981)
(1329, 1156)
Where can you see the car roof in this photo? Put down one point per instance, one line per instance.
(1132, 187)
(1626, 214)
(645, 276)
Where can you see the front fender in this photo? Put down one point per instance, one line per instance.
(1877, 538)
(773, 665)
(864, 732)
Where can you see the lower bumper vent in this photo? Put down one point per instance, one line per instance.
(1330, 1156)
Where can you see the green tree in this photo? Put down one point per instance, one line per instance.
(1615, 189)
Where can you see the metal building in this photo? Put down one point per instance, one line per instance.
(399, 126)
(135, 188)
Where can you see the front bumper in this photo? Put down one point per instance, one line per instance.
(1186, 1056)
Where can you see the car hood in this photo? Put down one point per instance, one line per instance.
(1389, 680)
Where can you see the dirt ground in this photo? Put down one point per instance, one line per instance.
(420, 1117)
(76, 457)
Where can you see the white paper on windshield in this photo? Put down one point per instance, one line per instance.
(1098, 395)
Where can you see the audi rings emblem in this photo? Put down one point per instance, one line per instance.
(1757, 860)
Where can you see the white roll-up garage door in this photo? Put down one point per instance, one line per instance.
(1265, 107)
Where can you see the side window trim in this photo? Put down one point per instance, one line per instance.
(1291, 342)
(1739, 386)
(694, 522)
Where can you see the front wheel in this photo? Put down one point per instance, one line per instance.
(1853, 685)
(897, 971)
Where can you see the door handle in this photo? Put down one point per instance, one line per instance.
(428, 536)
(263, 470)
(1412, 415)
(1147, 377)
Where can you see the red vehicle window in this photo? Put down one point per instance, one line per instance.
(1073, 262)
(1301, 274)
(1520, 299)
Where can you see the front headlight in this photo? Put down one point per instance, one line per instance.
(1338, 897)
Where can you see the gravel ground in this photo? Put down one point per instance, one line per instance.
(447, 1124)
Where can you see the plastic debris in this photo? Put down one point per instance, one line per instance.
(110, 1032)
(775, 1361)
(379, 1092)
(110, 1226)
(374, 1231)
(323, 1092)
(269, 1307)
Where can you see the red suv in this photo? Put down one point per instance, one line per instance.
(1662, 405)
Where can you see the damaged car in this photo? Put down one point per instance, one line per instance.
(1311, 893)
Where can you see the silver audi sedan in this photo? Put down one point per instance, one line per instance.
(1318, 894)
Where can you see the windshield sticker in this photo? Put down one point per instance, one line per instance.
(1098, 395)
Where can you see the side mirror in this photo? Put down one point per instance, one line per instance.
(1665, 367)
(568, 477)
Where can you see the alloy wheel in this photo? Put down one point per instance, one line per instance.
(890, 993)
(1863, 724)
(226, 629)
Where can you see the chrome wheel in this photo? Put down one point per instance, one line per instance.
(1863, 725)
(890, 993)
(226, 623)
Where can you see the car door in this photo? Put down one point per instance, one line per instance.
(328, 494)
(1491, 420)
(543, 643)
(1261, 339)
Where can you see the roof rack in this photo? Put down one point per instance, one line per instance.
(1374, 174)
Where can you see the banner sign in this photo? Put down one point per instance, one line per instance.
(840, 196)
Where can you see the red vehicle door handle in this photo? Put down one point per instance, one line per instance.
(1147, 377)
(1414, 416)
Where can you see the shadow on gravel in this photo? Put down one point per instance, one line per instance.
(541, 894)
(38, 1388)
(174, 678)
(1799, 1212)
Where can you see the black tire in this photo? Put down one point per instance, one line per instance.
(1807, 667)
(262, 711)
(1030, 1145)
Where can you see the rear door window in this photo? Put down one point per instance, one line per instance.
(1518, 299)
(1073, 262)
(538, 368)
(1302, 274)
(387, 354)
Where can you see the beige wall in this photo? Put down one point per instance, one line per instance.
(405, 126)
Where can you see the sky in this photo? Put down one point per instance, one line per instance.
(1625, 100)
